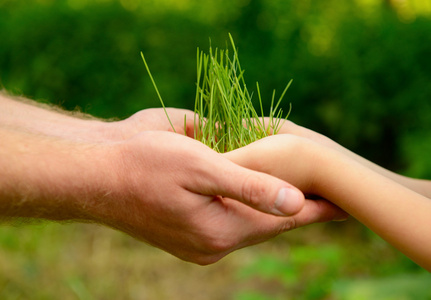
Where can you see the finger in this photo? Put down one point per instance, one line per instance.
(233, 225)
(253, 227)
(317, 211)
(255, 189)
(257, 227)
(313, 211)
(292, 128)
(263, 192)
(179, 120)
(183, 122)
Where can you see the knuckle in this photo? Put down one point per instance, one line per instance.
(253, 191)
(205, 260)
(296, 143)
(288, 225)
(288, 126)
(207, 251)
(218, 245)
(212, 250)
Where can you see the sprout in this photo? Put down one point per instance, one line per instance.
(225, 118)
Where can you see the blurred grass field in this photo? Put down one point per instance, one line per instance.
(85, 261)
(361, 75)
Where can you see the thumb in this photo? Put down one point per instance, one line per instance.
(259, 190)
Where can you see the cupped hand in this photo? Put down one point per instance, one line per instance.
(181, 196)
(292, 159)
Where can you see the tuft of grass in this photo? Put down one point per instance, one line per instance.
(225, 118)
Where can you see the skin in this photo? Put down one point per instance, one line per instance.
(137, 176)
(395, 207)
(418, 185)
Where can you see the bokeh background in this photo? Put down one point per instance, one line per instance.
(361, 73)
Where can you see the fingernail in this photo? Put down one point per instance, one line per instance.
(288, 202)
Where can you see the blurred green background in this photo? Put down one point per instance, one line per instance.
(361, 75)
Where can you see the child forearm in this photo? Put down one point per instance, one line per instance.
(421, 186)
(398, 214)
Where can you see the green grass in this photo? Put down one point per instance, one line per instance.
(225, 118)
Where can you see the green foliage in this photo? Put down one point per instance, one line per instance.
(398, 287)
(322, 272)
(293, 272)
(361, 69)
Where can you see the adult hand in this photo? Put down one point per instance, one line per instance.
(161, 187)
(195, 203)
(181, 196)
(153, 119)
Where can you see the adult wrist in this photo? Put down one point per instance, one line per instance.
(97, 131)
(92, 182)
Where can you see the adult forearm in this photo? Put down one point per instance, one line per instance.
(30, 116)
(45, 177)
(27, 115)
